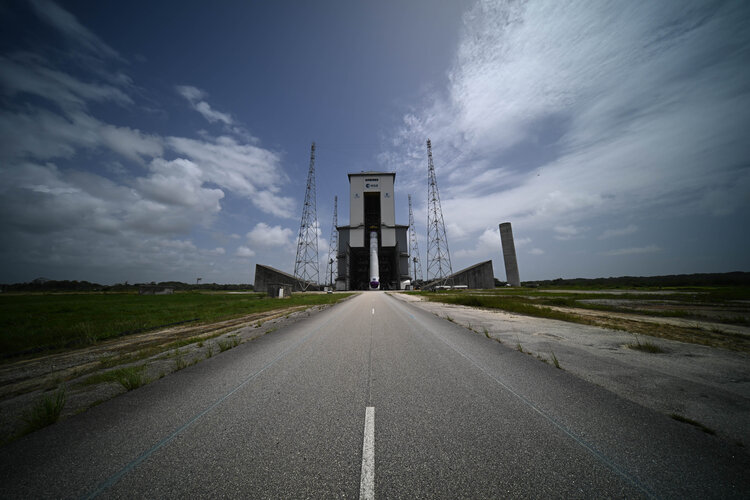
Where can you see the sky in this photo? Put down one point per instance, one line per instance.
(152, 141)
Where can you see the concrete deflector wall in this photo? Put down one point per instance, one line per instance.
(266, 276)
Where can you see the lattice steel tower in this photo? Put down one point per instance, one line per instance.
(306, 264)
(333, 249)
(438, 257)
(413, 247)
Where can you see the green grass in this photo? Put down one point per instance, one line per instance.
(130, 377)
(555, 361)
(45, 412)
(37, 322)
(510, 303)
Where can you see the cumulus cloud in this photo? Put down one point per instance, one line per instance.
(263, 235)
(245, 252)
(179, 182)
(245, 169)
(196, 97)
(488, 244)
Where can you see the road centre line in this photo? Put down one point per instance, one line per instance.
(367, 480)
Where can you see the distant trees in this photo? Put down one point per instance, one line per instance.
(736, 278)
(47, 285)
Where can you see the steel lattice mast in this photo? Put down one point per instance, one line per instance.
(333, 249)
(438, 257)
(306, 264)
(413, 247)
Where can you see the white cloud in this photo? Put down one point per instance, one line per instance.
(521, 242)
(557, 112)
(180, 183)
(611, 233)
(195, 96)
(32, 74)
(263, 235)
(89, 210)
(244, 251)
(536, 251)
(633, 250)
(245, 169)
(488, 245)
(567, 232)
(42, 134)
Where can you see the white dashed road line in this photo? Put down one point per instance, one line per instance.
(367, 482)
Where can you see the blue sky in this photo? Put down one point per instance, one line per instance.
(150, 141)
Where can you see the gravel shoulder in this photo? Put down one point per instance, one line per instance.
(706, 384)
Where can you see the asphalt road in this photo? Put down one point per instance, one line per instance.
(451, 415)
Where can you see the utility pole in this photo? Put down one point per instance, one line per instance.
(306, 263)
(438, 257)
(414, 248)
(333, 249)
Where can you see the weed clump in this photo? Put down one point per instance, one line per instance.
(179, 361)
(131, 377)
(45, 412)
(646, 346)
(225, 345)
(555, 360)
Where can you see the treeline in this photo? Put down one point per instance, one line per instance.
(44, 285)
(736, 278)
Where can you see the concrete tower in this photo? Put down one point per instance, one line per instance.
(509, 254)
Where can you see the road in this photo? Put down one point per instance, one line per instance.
(377, 398)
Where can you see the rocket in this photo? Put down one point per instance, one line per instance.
(374, 268)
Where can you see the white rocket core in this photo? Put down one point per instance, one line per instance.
(374, 268)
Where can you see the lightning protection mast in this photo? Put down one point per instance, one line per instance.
(333, 249)
(438, 256)
(306, 263)
(414, 248)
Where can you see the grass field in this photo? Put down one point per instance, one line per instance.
(711, 305)
(38, 322)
